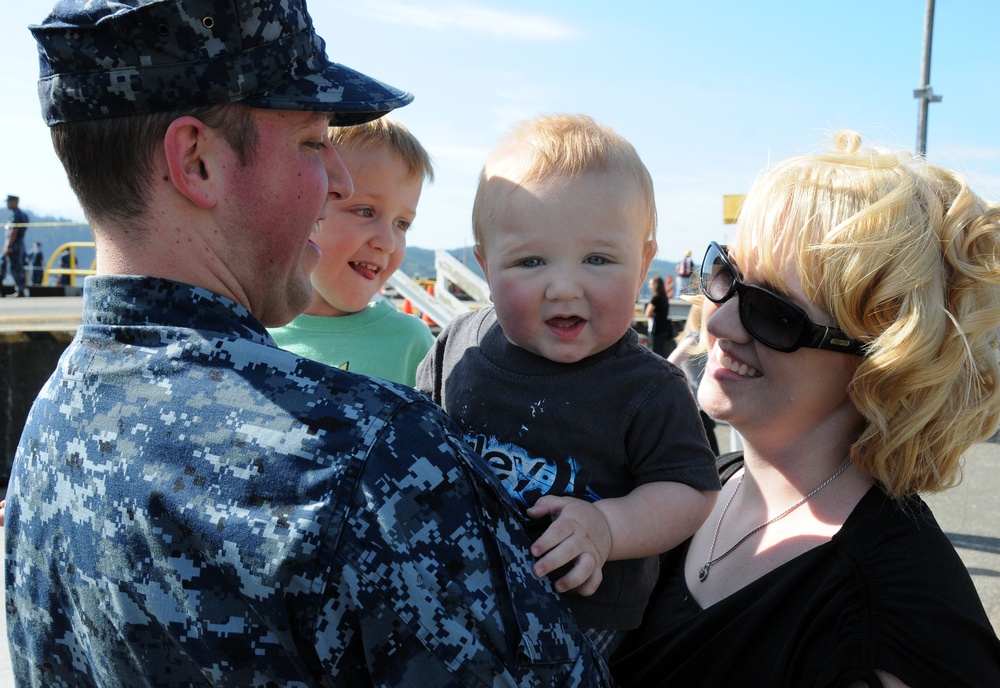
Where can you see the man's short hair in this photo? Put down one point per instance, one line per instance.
(119, 188)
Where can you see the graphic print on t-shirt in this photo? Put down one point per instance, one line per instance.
(527, 478)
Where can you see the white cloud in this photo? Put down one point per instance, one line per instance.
(520, 26)
(968, 153)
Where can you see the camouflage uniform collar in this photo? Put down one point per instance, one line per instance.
(153, 302)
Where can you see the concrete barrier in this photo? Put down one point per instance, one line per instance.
(26, 361)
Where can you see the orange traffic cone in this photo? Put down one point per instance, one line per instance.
(407, 307)
(424, 317)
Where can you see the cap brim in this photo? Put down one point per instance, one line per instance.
(352, 97)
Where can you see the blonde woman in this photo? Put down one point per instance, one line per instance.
(852, 338)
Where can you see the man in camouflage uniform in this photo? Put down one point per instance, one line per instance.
(189, 504)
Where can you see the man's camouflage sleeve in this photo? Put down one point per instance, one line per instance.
(437, 561)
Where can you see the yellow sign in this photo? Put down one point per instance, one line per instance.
(731, 204)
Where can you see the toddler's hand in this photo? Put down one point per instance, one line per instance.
(579, 533)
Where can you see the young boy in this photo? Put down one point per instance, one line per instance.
(363, 240)
(551, 386)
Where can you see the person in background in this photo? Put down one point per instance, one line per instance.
(661, 328)
(565, 226)
(35, 260)
(66, 263)
(852, 331)
(685, 269)
(13, 246)
(189, 504)
(363, 241)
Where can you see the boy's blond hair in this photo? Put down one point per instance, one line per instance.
(906, 258)
(391, 133)
(565, 146)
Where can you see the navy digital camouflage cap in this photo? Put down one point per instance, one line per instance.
(108, 58)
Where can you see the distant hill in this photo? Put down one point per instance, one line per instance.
(419, 262)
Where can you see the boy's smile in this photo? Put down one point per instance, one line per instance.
(366, 270)
(566, 328)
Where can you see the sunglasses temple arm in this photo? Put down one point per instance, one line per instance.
(832, 339)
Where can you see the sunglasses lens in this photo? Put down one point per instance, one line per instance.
(771, 320)
(719, 280)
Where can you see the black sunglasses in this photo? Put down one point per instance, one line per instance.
(771, 319)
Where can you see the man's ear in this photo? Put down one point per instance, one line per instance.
(190, 151)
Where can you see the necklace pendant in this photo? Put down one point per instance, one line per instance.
(703, 573)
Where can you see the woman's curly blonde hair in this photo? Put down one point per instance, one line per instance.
(906, 258)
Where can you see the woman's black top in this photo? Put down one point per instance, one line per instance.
(887, 592)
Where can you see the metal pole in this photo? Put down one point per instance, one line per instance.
(925, 93)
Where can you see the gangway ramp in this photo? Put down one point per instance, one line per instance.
(441, 305)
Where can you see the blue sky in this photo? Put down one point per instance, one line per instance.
(708, 92)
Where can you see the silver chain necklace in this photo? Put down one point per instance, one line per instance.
(703, 572)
